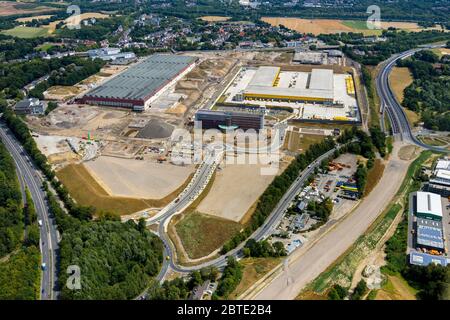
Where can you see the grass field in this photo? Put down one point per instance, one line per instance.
(86, 191)
(374, 175)
(201, 234)
(433, 141)
(396, 288)
(300, 142)
(254, 269)
(26, 32)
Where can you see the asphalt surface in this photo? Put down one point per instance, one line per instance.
(391, 106)
(260, 234)
(29, 176)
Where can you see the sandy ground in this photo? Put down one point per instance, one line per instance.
(235, 189)
(8, 8)
(27, 19)
(315, 26)
(327, 26)
(214, 18)
(399, 79)
(317, 256)
(138, 179)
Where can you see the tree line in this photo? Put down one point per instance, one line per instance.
(275, 191)
(19, 236)
(117, 260)
(429, 93)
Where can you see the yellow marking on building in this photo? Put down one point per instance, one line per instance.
(350, 85)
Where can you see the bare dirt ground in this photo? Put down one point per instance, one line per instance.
(399, 79)
(214, 18)
(318, 255)
(8, 8)
(408, 152)
(139, 179)
(316, 26)
(28, 19)
(235, 189)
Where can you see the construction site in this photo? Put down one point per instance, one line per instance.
(107, 151)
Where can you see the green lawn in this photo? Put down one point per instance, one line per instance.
(26, 32)
(361, 26)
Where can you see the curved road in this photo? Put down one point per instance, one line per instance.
(30, 176)
(389, 103)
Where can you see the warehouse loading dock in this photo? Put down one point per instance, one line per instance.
(142, 83)
(316, 95)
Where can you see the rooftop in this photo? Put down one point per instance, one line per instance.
(429, 203)
(265, 76)
(143, 79)
(429, 233)
(321, 79)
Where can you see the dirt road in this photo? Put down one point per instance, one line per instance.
(309, 262)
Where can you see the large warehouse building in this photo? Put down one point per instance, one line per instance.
(229, 120)
(265, 85)
(142, 83)
(428, 205)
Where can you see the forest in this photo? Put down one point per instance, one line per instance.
(19, 237)
(429, 94)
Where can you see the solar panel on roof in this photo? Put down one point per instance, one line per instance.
(144, 78)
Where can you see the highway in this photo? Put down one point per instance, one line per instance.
(30, 177)
(389, 103)
(260, 234)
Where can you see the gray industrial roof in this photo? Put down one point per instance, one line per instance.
(429, 233)
(144, 78)
(321, 79)
(264, 76)
(290, 92)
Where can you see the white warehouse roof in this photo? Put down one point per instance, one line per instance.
(429, 203)
(265, 76)
(321, 79)
(443, 164)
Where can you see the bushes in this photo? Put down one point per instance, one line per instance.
(361, 178)
(276, 190)
(337, 292)
(263, 249)
(231, 277)
(116, 259)
(360, 290)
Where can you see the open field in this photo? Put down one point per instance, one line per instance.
(236, 187)
(61, 92)
(374, 175)
(396, 288)
(399, 79)
(9, 8)
(86, 15)
(202, 234)
(300, 142)
(214, 18)
(254, 269)
(28, 19)
(86, 191)
(137, 179)
(441, 51)
(328, 26)
(26, 32)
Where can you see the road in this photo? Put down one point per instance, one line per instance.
(261, 233)
(389, 103)
(30, 176)
(307, 263)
